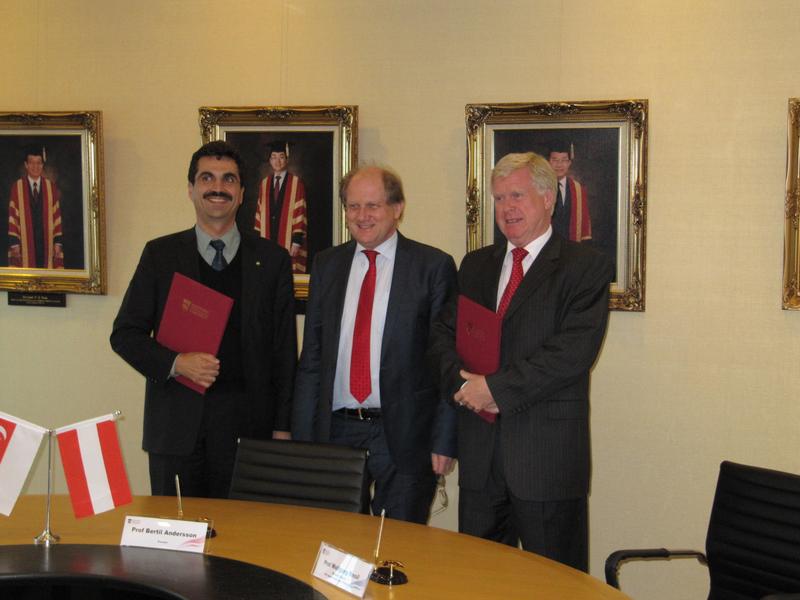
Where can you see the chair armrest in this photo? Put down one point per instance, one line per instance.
(615, 559)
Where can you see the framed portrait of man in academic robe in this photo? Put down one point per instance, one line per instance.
(295, 157)
(598, 151)
(52, 237)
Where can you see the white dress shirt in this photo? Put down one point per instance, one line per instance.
(384, 267)
(533, 249)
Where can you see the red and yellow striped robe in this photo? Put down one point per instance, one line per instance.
(293, 218)
(20, 222)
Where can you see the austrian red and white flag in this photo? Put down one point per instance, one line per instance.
(93, 466)
(19, 444)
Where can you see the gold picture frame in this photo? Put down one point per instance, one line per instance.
(607, 142)
(323, 146)
(70, 145)
(791, 243)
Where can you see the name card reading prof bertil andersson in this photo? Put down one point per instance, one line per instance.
(343, 570)
(166, 534)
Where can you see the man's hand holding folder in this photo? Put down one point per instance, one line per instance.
(200, 367)
(192, 324)
(478, 345)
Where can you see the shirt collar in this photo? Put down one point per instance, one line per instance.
(535, 246)
(232, 237)
(387, 248)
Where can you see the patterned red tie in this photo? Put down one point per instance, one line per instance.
(518, 254)
(360, 376)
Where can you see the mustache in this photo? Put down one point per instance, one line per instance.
(214, 194)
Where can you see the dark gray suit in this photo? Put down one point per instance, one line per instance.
(173, 413)
(551, 335)
(415, 422)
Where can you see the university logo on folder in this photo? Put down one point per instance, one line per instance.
(19, 444)
(194, 320)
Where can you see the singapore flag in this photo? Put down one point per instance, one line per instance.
(19, 444)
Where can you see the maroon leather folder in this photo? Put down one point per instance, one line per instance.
(478, 340)
(194, 320)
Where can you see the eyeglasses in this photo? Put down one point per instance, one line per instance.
(441, 495)
(369, 207)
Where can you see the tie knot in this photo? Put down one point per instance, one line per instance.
(218, 245)
(518, 254)
(370, 254)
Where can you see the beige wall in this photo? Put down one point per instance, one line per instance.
(707, 373)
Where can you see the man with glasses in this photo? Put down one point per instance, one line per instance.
(363, 380)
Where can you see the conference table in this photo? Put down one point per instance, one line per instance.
(440, 564)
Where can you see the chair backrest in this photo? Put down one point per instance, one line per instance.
(301, 473)
(753, 542)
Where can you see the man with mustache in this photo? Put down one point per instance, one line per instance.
(249, 383)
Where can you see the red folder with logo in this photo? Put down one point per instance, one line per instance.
(194, 320)
(478, 340)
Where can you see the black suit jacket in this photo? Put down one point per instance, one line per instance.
(173, 412)
(416, 422)
(551, 335)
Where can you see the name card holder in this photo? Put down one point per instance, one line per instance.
(165, 533)
(346, 571)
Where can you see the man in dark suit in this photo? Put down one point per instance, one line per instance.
(571, 219)
(363, 380)
(249, 383)
(525, 477)
(35, 237)
(281, 207)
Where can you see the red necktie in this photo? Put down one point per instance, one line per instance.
(518, 254)
(360, 376)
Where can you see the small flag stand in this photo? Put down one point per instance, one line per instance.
(47, 537)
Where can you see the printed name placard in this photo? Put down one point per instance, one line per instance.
(343, 570)
(167, 534)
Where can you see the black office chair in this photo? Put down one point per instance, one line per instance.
(301, 473)
(753, 540)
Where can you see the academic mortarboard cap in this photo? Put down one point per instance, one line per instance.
(36, 151)
(279, 146)
(564, 146)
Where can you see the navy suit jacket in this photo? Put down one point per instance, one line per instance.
(551, 335)
(416, 422)
(173, 412)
